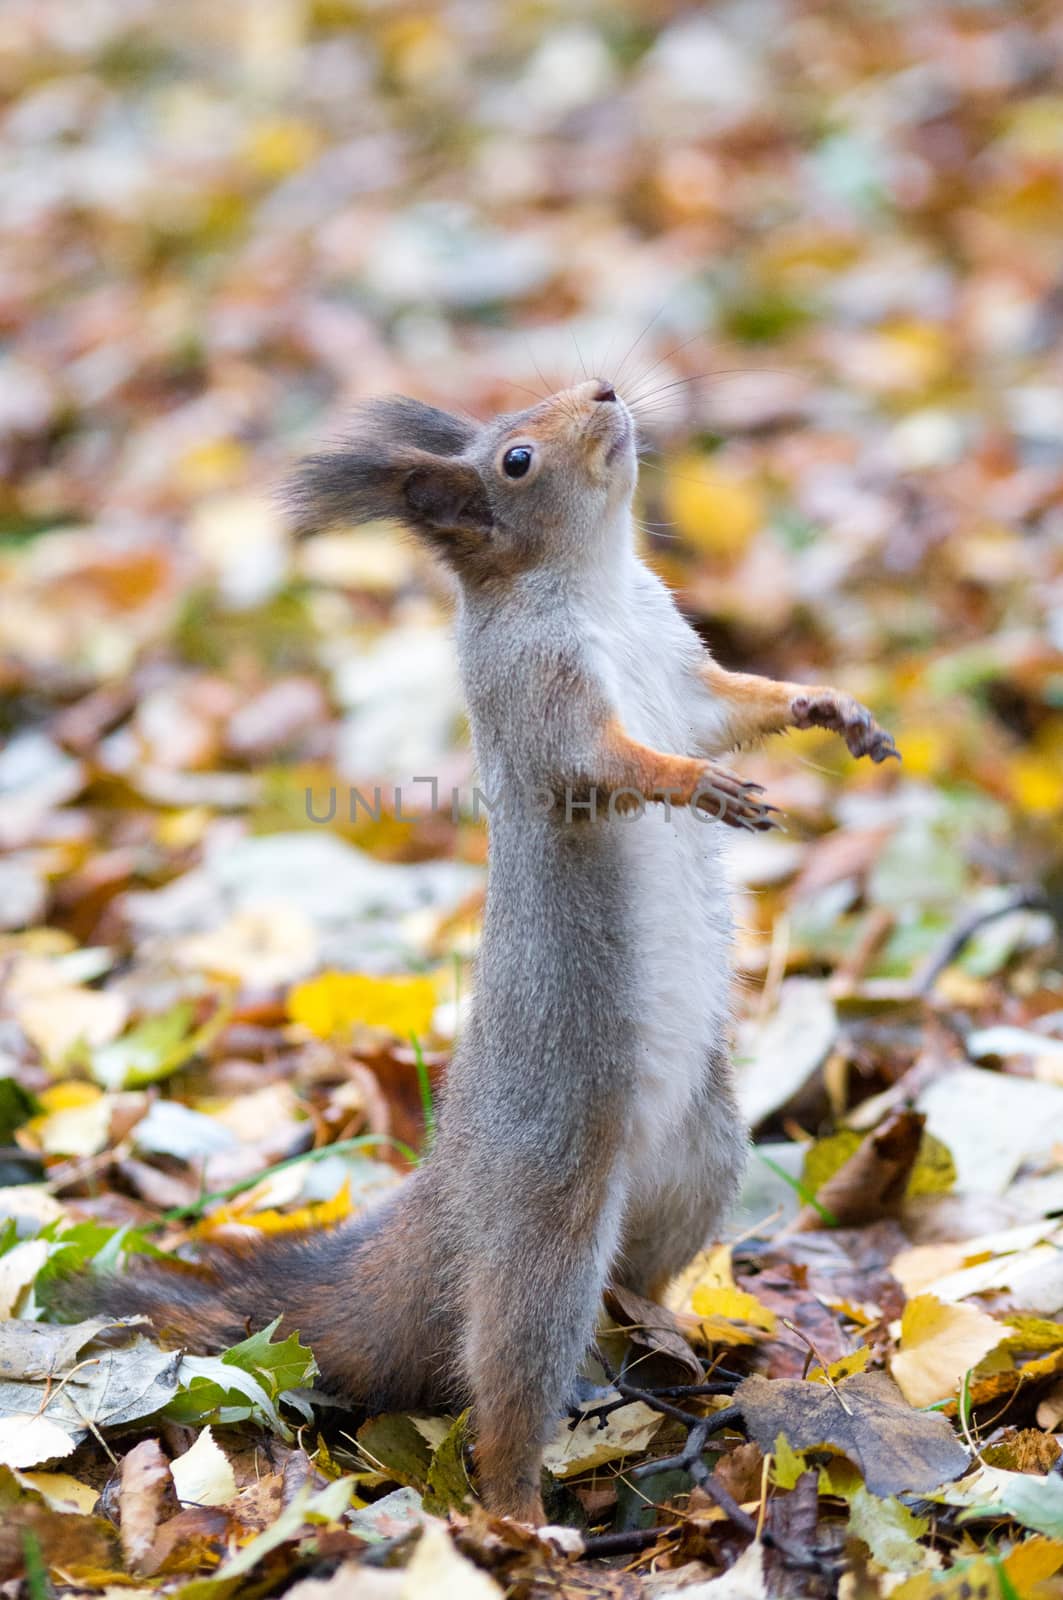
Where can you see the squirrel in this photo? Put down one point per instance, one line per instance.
(589, 1131)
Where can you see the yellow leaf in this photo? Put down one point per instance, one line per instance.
(76, 1120)
(735, 1305)
(177, 830)
(69, 1096)
(278, 146)
(1035, 1333)
(927, 748)
(1037, 784)
(844, 1367)
(60, 1491)
(914, 355)
(213, 464)
(320, 1214)
(787, 1464)
(713, 509)
(333, 1003)
(710, 1269)
(941, 1342)
(1032, 1561)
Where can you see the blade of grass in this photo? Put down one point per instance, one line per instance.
(800, 1189)
(427, 1102)
(362, 1142)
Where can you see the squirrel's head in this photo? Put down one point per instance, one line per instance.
(531, 488)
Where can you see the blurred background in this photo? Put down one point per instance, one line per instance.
(818, 245)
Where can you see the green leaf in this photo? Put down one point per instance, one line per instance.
(16, 1107)
(890, 1531)
(155, 1048)
(395, 1446)
(1035, 1502)
(210, 1391)
(447, 1487)
(82, 1244)
(287, 1364)
(245, 1383)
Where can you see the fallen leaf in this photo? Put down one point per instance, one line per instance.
(872, 1182)
(777, 1057)
(992, 1492)
(61, 1492)
(866, 1417)
(745, 1580)
(627, 1431)
(713, 509)
(18, 1268)
(940, 1343)
(890, 1530)
(27, 1438)
(991, 1123)
(335, 1002)
(447, 1486)
(437, 1571)
(203, 1476)
(145, 1495)
(1023, 1450)
(733, 1305)
(653, 1327)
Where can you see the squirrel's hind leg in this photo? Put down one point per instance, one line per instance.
(673, 1213)
(533, 1302)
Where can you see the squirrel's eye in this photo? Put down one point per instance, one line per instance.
(516, 462)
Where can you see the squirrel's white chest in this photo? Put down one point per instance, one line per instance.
(678, 905)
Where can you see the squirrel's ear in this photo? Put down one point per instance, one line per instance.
(400, 461)
(446, 497)
(438, 497)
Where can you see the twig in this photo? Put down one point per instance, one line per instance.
(1028, 898)
(690, 1459)
(629, 1543)
(599, 1413)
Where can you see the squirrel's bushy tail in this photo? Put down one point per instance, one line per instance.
(368, 1298)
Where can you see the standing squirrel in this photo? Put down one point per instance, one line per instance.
(589, 1131)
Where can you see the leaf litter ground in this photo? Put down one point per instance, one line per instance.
(835, 278)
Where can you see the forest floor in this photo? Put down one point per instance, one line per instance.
(817, 247)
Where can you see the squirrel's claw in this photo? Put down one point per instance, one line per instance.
(733, 801)
(841, 714)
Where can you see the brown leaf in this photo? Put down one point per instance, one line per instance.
(866, 1418)
(191, 1540)
(740, 1471)
(653, 1327)
(72, 1546)
(872, 1182)
(146, 1497)
(1023, 1450)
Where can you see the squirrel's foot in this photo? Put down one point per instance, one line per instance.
(731, 800)
(841, 714)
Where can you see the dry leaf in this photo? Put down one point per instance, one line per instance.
(146, 1495)
(872, 1183)
(940, 1343)
(865, 1417)
(203, 1476)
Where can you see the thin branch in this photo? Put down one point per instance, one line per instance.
(1027, 898)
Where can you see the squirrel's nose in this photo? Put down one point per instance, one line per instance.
(604, 391)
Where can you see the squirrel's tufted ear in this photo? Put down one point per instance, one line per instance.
(399, 462)
(446, 495)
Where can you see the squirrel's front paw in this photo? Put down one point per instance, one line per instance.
(733, 801)
(840, 713)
